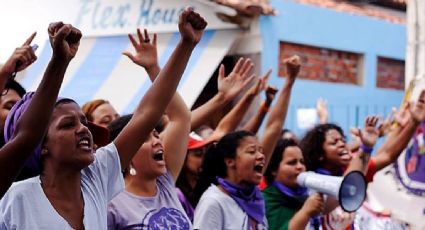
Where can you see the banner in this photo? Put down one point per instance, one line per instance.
(400, 187)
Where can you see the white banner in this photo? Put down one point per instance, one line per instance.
(112, 17)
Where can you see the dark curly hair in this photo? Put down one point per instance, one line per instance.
(312, 144)
(277, 157)
(214, 165)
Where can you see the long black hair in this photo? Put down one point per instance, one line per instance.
(214, 165)
(277, 157)
(312, 144)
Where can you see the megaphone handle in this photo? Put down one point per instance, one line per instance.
(316, 223)
(316, 220)
(325, 196)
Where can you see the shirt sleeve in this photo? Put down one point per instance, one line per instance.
(112, 215)
(107, 167)
(2, 223)
(208, 215)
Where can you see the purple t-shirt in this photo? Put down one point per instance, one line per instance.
(162, 211)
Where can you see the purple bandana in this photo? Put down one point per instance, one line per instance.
(33, 164)
(249, 199)
(323, 171)
(300, 193)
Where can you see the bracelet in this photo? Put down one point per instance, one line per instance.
(264, 107)
(366, 149)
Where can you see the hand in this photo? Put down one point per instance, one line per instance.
(146, 51)
(293, 65)
(270, 94)
(191, 26)
(417, 111)
(322, 110)
(233, 84)
(24, 54)
(314, 205)
(370, 133)
(385, 126)
(260, 85)
(64, 39)
(402, 117)
(256, 88)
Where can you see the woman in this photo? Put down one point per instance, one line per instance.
(233, 168)
(326, 152)
(288, 206)
(100, 112)
(76, 184)
(149, 199)
(189, 175)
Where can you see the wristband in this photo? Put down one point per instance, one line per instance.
(366, 149)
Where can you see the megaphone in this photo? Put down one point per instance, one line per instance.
(350, 190)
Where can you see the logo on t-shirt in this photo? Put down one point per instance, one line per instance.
(165, 218)
(410, 166)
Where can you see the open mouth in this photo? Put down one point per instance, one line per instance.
(259, 168)
(159, 155)
(345, 155)
(85, 143)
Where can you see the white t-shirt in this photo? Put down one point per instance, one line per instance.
(217, 210)
(25, 206)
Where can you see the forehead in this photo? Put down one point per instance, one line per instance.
(292, 152)
(333, 134)
(66, 109)
(104, 108)
(11, 95)
(248, 141)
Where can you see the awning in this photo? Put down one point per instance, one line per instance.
(101, 71)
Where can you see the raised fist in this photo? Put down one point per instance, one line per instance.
(191, 26)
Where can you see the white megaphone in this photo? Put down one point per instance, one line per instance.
(350, 190)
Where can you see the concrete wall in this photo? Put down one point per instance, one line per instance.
(303, 24)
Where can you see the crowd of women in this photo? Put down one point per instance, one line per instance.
(66, 167)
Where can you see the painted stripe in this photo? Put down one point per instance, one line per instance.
(196, 54)
(126, 78)
(99, 64)
(162, 60)
(38, 67)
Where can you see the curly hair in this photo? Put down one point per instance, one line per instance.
(214, 165)
(277, 157)
(312, 144)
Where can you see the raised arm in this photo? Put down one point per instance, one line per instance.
(32, 126)
(23, 55)
(322, 110)
(367, 138)
(396, 143)
(255, 121)
(176, 134)
(231, 120)
(278, 113)
(228, 88)
(157, 98)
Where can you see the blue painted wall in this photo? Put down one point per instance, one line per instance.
(348, 104)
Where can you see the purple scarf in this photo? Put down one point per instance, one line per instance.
(323, 171)
(249, 199)
(185, 203)
(300, 193)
